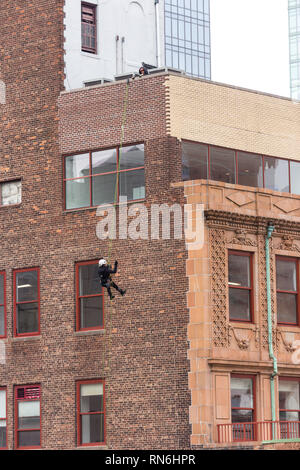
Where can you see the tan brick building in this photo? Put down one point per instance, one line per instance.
(183, 360)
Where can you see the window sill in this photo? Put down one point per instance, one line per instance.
(105, 206)
(90, 55)
(90, 332)
(104, 447)
(26, 338)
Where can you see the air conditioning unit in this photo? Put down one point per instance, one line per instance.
(99, 81)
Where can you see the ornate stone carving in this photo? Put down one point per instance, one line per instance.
(242, 341)
(287, 340)
(241, 238)
(287, 243)
(263, 292)
(219, 288)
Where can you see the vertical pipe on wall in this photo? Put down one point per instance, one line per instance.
(270, 230)
(158, 58)
(117, 54)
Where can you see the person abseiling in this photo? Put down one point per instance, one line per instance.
(105, 271)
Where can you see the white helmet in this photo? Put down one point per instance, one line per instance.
(102, 261)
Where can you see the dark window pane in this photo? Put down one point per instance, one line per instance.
(104, 187)
(89, 280)
(222, 164)
(286, 274)
(194, 161)
(1, 289)
(241, 416)
(276, 174)
(132, 184)
(295, 176)
(2, 434)
(286, 308)
(250, 169)
(29, 438)
(239, 304)
(78, 193)
(27, 286)
(2, 321)
(239, 270)
(27, 318)
(104, 161)
(91, 312)
(92, 428)
(131, 157)
(77, 165)
(91, 397)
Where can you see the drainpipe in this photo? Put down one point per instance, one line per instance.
(117, 55)
(270, 230)
(158, 59)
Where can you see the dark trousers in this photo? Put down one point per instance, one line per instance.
(110, 284)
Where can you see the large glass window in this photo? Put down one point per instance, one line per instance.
(222, 164)
(289, 408)
(250, 170)
(242, 408)
(204, 161)
(26, 294)
(287, 281)
(28, 417)
(3, 419)
(91, 413)
(90, 298)
(276, 174)
(105, 176)
(2, 305)
(295, 175)
(194, 161)
(240, 286)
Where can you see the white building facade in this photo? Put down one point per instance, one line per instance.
(107, 38)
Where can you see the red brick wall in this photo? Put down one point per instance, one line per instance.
(142, 356)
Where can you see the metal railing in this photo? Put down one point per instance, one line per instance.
(258, 431)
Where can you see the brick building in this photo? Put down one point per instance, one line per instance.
(187, 352)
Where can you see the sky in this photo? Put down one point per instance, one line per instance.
(250, 44)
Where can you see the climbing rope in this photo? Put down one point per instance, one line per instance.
(124, 116)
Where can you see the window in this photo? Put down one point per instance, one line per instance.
(194, 161)
(276, 173)
(90, 297)
(28, 416)
(287, 286)
(90, 413)
(88, 28)
(243, 407)
(27, 302)
(101, 177)
(203, 161)
(250, 170)
(10, 193)
(240, 286)
(222, 164)
(2, 305)
(3, 419)
(289, 408)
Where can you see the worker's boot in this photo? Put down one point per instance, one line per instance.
(122, 291)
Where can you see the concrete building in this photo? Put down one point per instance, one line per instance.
(294, 37)
(104, 39)
(203, 351)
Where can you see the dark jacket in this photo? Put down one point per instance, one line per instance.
(105, 271)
